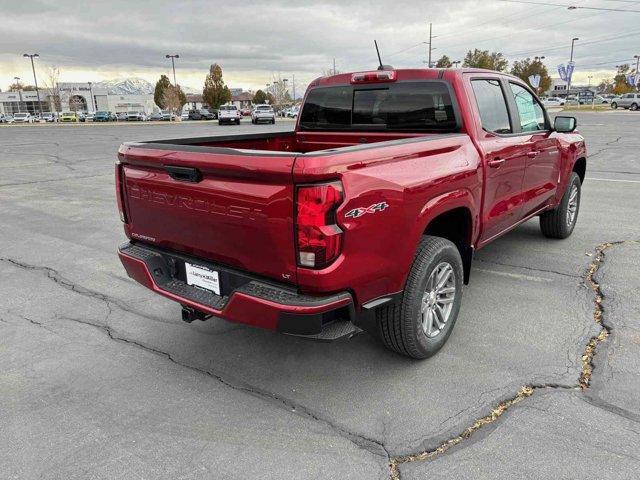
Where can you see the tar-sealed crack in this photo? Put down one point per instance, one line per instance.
(528, 390)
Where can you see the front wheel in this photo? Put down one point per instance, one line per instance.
(560, 222)
(634, 106)
(419, 324)
(614, 105)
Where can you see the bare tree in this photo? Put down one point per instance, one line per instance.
(76, 103)
(279, 91)
(173, 98)
(51, 85)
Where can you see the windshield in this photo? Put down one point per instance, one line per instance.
(264, 107)
(20, 115)
(422, 106)
(228, 107)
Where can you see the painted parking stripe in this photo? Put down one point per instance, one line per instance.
(612, 180)
(519, 276)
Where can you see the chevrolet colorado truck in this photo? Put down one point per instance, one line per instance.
(365, 217)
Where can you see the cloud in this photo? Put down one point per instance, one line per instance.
(252, 40)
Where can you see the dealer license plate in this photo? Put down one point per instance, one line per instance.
(202, 277)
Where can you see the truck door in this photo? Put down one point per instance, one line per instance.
(542, 149)
(504, 158)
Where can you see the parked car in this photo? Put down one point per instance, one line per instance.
(156, 117)
(293, 112)
(104, 116)
(553, 102)
(229, 114)
(68, 117)
(184, 115)
(263, 113)
(630, 101)
(599, 99)
(49, 117)
(246, 112)
(87, 117)
(364, 217)
(136, 117)
(6, 118)
(23, 117)
(208, 114)
(167, 115)
(121, 116)
(195, 115)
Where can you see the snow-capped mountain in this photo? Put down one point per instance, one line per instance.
(126, 86)
(132, 86)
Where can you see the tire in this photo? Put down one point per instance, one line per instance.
(614, 105)
(402, 326)
(219, 123)
(634, 107)
(559, 222)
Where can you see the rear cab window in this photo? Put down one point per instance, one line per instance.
(402, 106)
(492, 106)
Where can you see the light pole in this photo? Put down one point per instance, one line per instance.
(35, 80)
(590, 77)
(93, 105)
(293, 81)
(455, 63)
(538, 59)
(17, 79)
(573, 40)
(173, 65)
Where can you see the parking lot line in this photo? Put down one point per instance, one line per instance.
(612, 180)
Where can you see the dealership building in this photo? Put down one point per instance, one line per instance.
(76, 96)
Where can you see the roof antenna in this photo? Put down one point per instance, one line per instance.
(381, 66)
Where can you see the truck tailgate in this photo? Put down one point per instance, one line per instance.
(231, 207)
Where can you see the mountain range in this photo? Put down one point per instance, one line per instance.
(132, 86)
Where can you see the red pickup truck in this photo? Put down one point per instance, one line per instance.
(365, 217)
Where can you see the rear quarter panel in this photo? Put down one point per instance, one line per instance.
(418, 179)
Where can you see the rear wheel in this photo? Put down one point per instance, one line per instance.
(560, 222)
(420, 323)
(634, 106)
(614, 105)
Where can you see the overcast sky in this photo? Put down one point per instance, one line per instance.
(93, 41)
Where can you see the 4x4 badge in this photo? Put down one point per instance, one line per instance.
(358, 212)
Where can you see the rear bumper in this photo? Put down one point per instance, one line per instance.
(244, 298)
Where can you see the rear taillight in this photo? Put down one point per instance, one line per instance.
(120, 190)
(318, 235)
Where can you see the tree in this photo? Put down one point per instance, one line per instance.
(173, 98)
(444, 62)
(215, 92)
(620, 84)
(523, 69)
(270, 99)
(279, 91)
(259, 97)
(14, 87)
(52, 87)
(161, 87)
(483, 59)
(606, 86)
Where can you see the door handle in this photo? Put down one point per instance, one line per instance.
(532, 154)
(496, 162)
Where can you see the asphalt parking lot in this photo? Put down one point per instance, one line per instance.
(101, 379)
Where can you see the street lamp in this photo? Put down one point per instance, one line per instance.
(173, 65)
(538, 59)
(573, 40)
(35, 80)
(455, 63)
(590, 77)
(17, 79)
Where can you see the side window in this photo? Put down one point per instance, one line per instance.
(529, 110)
(492, 106)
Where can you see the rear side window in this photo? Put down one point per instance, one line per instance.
(492, 106)
(529, 110)
(415, 106)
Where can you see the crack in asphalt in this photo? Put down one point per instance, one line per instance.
(555, 272)
(528, 390)
(361, 441)
(53, 180)
(369, 444)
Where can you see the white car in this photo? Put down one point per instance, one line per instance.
(22, 117)
(6, 118)
(553, 102)
(229, 114)
(263, 113)
(293, 112)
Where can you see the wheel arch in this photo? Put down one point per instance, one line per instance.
(580, 167)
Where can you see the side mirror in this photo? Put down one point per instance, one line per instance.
(565, 124)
